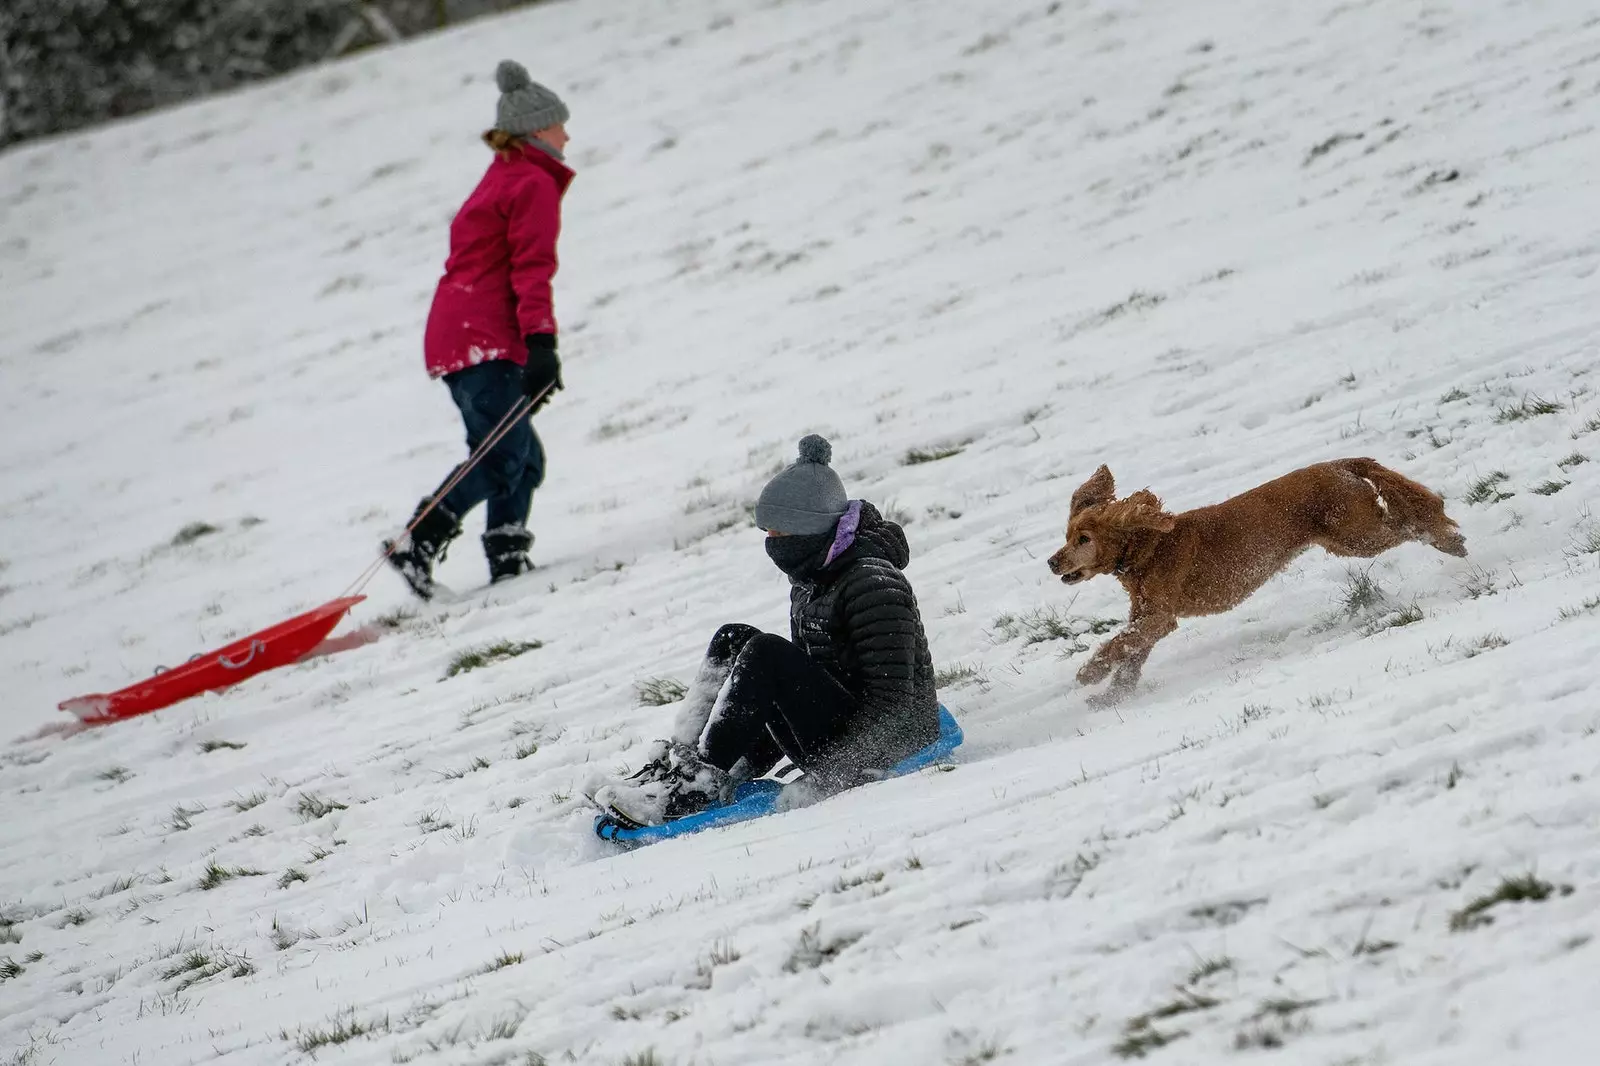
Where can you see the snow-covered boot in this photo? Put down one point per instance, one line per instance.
(674, 782)
(414, 555)
(507, 551)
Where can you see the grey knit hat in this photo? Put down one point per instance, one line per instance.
(525, 105)
(806, 496)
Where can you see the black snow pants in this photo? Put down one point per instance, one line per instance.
(775, 702)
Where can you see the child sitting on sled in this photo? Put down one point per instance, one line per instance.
(849, 694)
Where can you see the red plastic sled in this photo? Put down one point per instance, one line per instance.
(282, 644)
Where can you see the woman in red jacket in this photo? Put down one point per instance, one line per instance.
(491, 333)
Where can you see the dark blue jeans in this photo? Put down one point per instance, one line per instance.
(506, 477)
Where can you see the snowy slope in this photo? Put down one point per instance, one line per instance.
(1203, 243)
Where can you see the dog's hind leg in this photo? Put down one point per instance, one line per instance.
(1412, 510)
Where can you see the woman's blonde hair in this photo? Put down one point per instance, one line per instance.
(505, 145)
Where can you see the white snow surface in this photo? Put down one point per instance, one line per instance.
(1204, 243)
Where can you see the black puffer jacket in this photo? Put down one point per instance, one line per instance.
(857, 618)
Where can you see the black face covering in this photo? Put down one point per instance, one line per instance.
(798, 554)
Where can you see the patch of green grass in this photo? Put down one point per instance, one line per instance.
(430, 822)
(1487, 642)
(813, 950)
(343, 1030)
(1586, 542)
(1529, 406)
(312, 806)
(193, 532)
(1209, 968)
(1487, 488)
(182, 817)
(501, 961)
(1569, 613)
(659, 691)
(479, 763)
(217, 874)
(250, 802)
(291, 875)
(918, 456)
(489, 654)
(1362, 593)
(1525, 889)
(959, 676)
(1453, 395)
(1048, 623)
(209, 746)
(1549, 488)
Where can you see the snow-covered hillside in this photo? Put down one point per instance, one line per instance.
(1204, 243)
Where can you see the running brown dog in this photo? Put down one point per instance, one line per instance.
(1209, 560)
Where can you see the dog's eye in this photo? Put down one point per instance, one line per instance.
(1083, 538)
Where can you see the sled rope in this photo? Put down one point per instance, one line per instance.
(512, 417)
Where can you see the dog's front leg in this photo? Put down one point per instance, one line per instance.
(1126, 652)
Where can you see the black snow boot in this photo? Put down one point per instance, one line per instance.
(414, 555)
(507, 551)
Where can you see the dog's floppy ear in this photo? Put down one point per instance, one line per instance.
(1142, 510)
(1100, 488)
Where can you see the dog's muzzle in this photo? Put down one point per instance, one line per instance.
(1072, 578)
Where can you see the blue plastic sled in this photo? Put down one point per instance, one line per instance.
(753, 799)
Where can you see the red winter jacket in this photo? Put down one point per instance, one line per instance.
(496, 284)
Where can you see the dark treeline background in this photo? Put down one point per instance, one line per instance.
(65, 64)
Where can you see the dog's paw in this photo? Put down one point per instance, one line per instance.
(1093, 672)
(1109, 698)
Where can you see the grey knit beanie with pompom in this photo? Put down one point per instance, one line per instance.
(806, 497)
(525, 105)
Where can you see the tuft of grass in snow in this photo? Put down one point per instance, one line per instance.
(121, 884)
(1549, 488)
(479, 763)
(1457, 393)
(209, 746)
(431, 823)
(1049, 623)
(1569, 613)
(1487, 488)
(216, 875)
(193, 532)
(1575, 459)
(291, 875)
(76, 916)
(1410, 614)
(312, 806)
(10, 968)
(959, 676)
(489, 654)
(647, 1057)
(394, 619)
(182, 816)
(116, 774)
(250, 802)
(1362, 593)
(1487, 642)
(501, 961)
(1586, 542)
(1478, 583)
(1525, 889)
(1529, 406)
(812, 950)
(342, 1030)
(659, 691)
(918, 456)
(8, 932)
(1207, 968)
(527, 747)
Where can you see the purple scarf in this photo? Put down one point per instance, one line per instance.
(845, 532)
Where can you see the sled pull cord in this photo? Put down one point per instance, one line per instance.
(517, 412)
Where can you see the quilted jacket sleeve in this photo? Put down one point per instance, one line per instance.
(534, 224)
(882, 625)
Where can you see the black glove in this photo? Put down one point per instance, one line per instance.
(541, 376)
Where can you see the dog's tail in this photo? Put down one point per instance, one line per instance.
(1412, 508)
